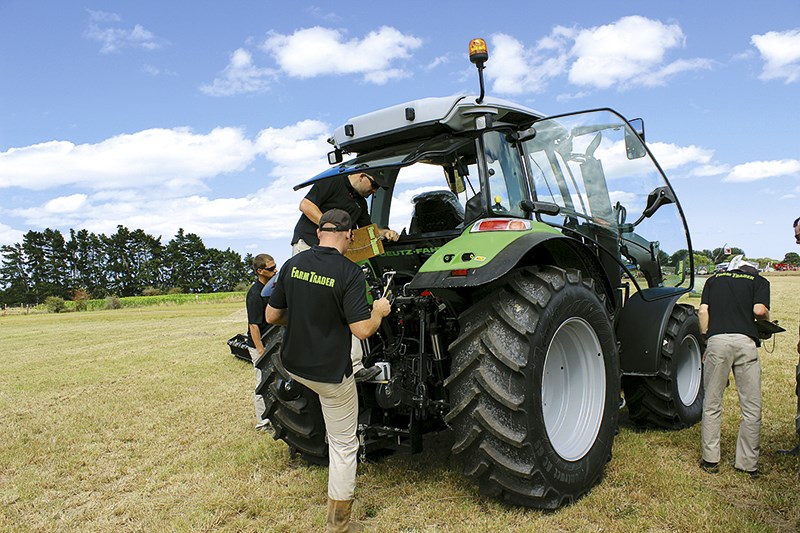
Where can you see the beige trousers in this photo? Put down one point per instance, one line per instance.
(356, 352)
(723, 353)
(258, 401)
(340, 410)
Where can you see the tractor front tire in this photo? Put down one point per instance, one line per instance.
(672, 399)
(535, 388)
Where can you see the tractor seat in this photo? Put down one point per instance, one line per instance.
(436, 211)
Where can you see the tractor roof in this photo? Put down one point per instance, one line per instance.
(425, 118)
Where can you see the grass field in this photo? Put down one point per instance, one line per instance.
(139, 419)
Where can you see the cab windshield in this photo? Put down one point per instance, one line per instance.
(608, 187)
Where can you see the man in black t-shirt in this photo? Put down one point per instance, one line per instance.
(264, 267)
(730, 303)
(321, 299)
(348, 193)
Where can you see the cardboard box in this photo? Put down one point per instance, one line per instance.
(366, 243)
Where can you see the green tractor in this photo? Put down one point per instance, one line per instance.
(535, 288)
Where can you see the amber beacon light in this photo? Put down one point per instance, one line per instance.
(479, 54)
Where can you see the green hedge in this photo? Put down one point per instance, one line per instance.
(161, 299)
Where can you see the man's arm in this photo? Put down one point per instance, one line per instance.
(702, 315)
(761, 311)
(367, 328)
(310, 210)
(277, 316)
(255, 334)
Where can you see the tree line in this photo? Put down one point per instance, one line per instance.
(125, 263)
(709, 258)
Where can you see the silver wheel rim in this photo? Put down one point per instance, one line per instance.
(573, 389)
(689, 369)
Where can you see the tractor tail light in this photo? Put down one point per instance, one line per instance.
(501, 224)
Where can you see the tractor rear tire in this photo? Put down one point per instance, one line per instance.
(672, 399)
(293, 408)
(535, 388)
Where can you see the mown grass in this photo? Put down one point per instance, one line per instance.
(139, 419)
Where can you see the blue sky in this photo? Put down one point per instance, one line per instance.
(202, 115)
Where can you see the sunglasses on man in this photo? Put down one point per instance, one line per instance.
(372, 182)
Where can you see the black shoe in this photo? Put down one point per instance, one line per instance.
(754, 474)
(265, 425)
(366, 374)
(793, 451)
(711, 468)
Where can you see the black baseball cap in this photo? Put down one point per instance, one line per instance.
(338, 217)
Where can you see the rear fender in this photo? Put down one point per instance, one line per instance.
(534, 248)
(641, 326)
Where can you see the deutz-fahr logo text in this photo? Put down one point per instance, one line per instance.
(412, 251)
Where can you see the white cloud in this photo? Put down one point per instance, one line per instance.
(712, 169)
(318, 13)
(321, 51)
(671, 156)
(66, 204)
(516, 70)
(437, 61)
(295, 153)
(781, 54)
(759, 170)
(9, 235)
(629, 52)
(113, 39)
(241, 76)
(173, 158)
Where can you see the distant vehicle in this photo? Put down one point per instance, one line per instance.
(784, 267)
(702, 271)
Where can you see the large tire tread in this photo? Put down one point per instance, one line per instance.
(297, 420)
(488, 389)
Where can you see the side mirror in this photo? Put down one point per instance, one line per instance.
(335, 157)
(657, 197)
(634, 139)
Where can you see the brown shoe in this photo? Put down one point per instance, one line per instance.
(339, 517)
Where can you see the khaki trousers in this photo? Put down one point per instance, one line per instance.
(340, 410)
(258, 401)
(356, 352)
(723, 353)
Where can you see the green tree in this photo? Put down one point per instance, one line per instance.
(14, 277)
(225, 270)
(701, 260)
(184, 262)
(132, 261)
(85, 259)
(792, 258)
(46, 264)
